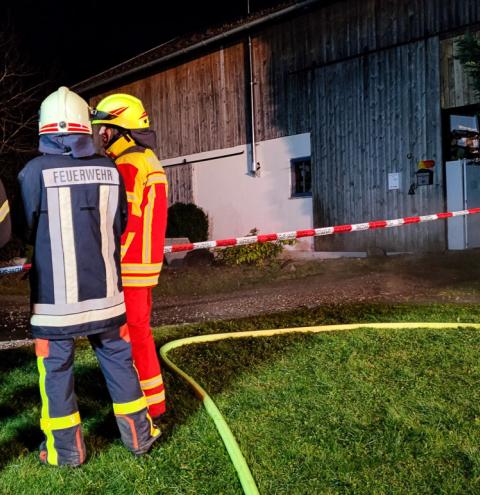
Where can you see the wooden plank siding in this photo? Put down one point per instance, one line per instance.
(342, 30)
(364, 79)
(180, 188)
(367, 79)
(383, 118)
(197, 106)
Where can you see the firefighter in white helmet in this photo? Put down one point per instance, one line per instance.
(76, 210)
(129, 140)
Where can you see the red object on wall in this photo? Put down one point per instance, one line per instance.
(426, 164)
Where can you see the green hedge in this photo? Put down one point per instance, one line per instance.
(251, 254)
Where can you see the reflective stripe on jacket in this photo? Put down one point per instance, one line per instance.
(144, 238)
(5, 224)
(75, 211)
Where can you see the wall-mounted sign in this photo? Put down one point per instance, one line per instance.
(393, 181)
(424, 177)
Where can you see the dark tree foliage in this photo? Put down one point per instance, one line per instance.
(187, 220)
(21, 91)
(468, 52)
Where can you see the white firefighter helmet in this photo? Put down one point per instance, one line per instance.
(64, 112)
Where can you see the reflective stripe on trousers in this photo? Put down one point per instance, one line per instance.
(60, 419)
(138, 301)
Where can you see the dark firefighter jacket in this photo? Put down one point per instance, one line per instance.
(76, 211)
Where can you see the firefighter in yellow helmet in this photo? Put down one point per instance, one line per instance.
(128, 139)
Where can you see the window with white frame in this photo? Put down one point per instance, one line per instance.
(301, 177)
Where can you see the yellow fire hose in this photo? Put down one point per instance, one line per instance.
(233, 449)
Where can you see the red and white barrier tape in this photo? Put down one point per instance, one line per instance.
(297, 234)
(7, 270)
(294, 234)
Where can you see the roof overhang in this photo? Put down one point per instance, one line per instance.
(160, 55)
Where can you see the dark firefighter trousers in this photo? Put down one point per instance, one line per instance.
(60, 419)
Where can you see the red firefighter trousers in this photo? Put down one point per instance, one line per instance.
(138, 301)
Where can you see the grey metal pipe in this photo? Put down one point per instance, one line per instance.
(217, 157)
(252, 108)
(253, 165)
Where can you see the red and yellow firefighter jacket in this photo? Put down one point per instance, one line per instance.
(144, 238)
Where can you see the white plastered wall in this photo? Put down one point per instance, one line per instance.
(237, 202)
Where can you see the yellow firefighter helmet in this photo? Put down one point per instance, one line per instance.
(121, 110)
(64, 112)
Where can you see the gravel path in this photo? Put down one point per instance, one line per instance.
(396, 283)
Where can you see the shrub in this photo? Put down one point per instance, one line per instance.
(468, 52)
(251, 254)
(15, 248)
(187, 220)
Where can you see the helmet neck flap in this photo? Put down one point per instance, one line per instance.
(77, 145)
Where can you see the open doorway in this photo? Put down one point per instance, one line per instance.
(461, 132)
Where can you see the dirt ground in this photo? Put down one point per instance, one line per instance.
(198, 294)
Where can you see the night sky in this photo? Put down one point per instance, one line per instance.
(70, 41)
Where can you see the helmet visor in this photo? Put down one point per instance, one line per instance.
(101, 116)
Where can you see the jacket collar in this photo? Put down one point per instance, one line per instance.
(119, 146)
(77, 145)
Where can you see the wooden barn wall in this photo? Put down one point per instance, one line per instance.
(376, 115)
(372, 67)
(180, 189)
(284, 53)
(363, 77)
(197, 106)
(457, 88)
(200, 105)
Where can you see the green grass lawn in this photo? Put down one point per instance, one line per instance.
(358, 412)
